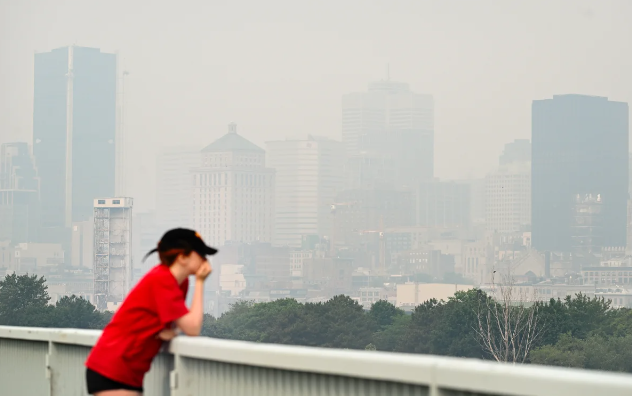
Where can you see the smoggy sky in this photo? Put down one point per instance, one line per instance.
(279, 67)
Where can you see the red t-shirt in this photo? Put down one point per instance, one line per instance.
(128, 343)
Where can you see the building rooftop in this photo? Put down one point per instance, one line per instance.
(232, 142)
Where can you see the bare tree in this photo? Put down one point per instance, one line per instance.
(508, 321)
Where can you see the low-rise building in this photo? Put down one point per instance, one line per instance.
(370, 295)
(34, 257)
(412, 294)
(613, 272)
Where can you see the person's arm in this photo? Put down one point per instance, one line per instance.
(191, 323)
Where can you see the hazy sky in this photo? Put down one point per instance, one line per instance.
(279, 67)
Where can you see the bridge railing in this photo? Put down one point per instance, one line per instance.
(38, 362)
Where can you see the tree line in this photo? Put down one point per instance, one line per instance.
(579, 332)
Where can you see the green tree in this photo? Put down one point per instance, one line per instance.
(579, 316)
(76, 312)
(24, 301)
(445, 328)
(208, 325)
(391, 337)
(343, 323)
(568, 352)
(384, 313)
(595, 352)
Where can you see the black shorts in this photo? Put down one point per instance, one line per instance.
(98, 383)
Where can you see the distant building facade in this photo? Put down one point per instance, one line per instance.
(443, 204)
(517, 151)
(508, 198)
(233, 192)
(309, 174)
(388, 135)
(19, 194)
(35, 257)
(174, 186)
(580, 146)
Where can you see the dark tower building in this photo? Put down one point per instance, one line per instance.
(74, 127)
(579, 149)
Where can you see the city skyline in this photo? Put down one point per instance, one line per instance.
(547, 49)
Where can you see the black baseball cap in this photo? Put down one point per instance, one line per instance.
(183, 238)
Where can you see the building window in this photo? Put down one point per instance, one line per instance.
(101, 202)
(116, 202)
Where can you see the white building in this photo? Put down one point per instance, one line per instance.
(174, 186)
(231, 279)
(112, 251)
(388, 135)
(370, 295)
(233, 192)
(508, 198)
(309, 174)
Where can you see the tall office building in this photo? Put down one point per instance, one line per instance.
(74, 127)
(443, 204)
(19, 194)
(388, 135)
(508, 198)
(112, 251)
(580, 148)
(174, 186)
(309, 174)
(233, 192)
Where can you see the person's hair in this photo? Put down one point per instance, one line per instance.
(169, 257)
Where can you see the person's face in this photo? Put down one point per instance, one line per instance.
(192, 262)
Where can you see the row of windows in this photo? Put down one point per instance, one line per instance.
(609, 273)
(608, 280)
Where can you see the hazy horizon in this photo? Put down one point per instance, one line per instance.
(280, 68)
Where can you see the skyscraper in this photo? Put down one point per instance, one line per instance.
(508, 190)
(508, 198)
(233, 192)
(388, 135)
(174, 186)
(580, 148)
(308, 177)
(74, 126)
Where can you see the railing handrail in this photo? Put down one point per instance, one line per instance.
(447, 372)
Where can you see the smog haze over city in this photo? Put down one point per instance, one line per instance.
(278, 68)
(391, 175)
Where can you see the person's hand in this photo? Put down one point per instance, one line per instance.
(204, 271)
(166, 334)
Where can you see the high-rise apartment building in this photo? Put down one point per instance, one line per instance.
(388, 135)
(19, 194)
(309, 174)
(174, 186)
(112, 251)
(580, 148)
(74, 128)
(233, 192)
